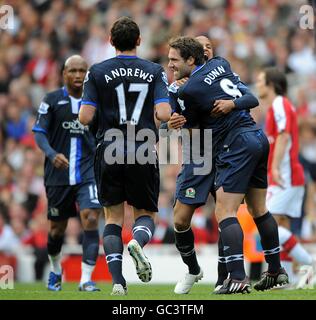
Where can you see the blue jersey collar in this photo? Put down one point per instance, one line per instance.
(123, 56)
(197, 68)
(65, 91)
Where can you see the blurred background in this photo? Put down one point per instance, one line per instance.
(249, 33)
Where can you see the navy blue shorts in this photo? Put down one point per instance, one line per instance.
(242, 162)
(138, 184)
(193, 189)
(64, 201)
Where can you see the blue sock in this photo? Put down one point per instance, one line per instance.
(90, 247)
(143, 230)
(113, 249)
(232, 239)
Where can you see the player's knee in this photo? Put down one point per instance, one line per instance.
(57, 231)
(256, 210)
(182, 224)
(89, 219)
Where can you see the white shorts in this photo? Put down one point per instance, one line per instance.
(286, 201)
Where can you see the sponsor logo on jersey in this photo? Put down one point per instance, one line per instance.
(75, 126)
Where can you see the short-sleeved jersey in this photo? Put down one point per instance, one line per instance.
(281, 117)
(210, 82)
(124, 90)
(58, 119)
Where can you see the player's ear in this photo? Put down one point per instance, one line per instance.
(110, 39)
(138, 41)
(191, 61)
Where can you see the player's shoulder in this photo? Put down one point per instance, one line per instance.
(282, 103)
(53, 97)
(218, 60)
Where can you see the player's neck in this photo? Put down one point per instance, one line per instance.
(74, 93)
(270, 98)
(126, 53)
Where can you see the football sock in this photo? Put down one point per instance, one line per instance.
(222, 273)
(268, 230)
(113, 249)
(143, 230)
(294, 249)
(54, 255)
(185, 245)
(232, 239)
(90, 248)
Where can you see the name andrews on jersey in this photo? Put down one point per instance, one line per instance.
(129, 72)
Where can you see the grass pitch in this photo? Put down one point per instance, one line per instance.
(38, 291)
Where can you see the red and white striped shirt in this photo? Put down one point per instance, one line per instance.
(281, 117)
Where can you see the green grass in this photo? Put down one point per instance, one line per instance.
(37, 291)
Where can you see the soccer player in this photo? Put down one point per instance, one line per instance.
(68, 174)
(186, 204)
(127, 93)
(240, 152)
(285, 173)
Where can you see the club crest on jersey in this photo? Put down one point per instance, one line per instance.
(190, 193)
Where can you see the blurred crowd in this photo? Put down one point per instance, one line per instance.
(249, 33)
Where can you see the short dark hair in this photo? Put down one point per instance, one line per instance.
(188, 47)
(277, 79)
(125, 33)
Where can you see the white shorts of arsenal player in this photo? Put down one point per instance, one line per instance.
(287, 201)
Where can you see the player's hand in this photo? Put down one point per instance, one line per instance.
(182, 81)
(276, 176)
(176, 121)
(222, 107)
(60, 161)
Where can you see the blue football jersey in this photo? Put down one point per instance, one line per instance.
(58, 119)
(210, 82)
(124, 90)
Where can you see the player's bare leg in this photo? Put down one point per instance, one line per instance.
(54, 244)
(113, 246)
(143, 230)
(90, 248)
(268, 230)
(184, 238)
(226, 208)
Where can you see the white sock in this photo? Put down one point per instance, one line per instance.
(86, 272)
(301, 255)
(298, 252)
(55, 263)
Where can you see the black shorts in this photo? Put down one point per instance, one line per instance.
(193, 189)
(138, 184)
(65, 201)
(242, 162)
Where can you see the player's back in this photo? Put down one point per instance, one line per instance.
(126, 92)
(208, 83)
